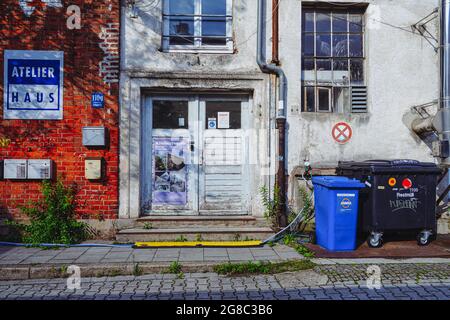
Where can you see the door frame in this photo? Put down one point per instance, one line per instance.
(196, 119)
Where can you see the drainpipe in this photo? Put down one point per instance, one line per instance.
(443, 119)
(281, 110)
(275, 31)
(440, 123)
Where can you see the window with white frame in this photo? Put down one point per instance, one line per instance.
(198, 25)
(333, 61)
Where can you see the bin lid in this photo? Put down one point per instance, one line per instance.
(391, 166)
(337, 182)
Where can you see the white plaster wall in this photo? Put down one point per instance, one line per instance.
(401, 71)
(145, 67)
(143, 45)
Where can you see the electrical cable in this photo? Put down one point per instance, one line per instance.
(300, 218)
(58, 245)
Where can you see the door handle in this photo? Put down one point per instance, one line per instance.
(192, 146)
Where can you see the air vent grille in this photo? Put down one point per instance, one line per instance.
(359, 99)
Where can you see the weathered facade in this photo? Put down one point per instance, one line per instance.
(195, 134)
(387, 68)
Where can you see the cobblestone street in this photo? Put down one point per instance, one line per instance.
(337, 282)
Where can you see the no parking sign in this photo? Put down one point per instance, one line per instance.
(342, 132)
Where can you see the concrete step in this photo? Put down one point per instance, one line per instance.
(193, 233)
(162, 222)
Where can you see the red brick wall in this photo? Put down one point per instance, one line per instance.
(61, 141)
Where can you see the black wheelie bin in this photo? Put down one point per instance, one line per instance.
(400, 195)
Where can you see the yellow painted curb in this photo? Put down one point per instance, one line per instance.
(191, 244)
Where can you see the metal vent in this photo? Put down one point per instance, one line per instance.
(359, 99)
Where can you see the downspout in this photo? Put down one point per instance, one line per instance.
(440, 123)
(275, 31)
(281, 110)
(443, 120)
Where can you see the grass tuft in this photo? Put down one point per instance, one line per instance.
(263, 267)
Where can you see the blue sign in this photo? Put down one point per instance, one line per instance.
(33, 85)
(98, 100)
(212, 123)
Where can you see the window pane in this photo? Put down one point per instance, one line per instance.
(170, 114)
(308, 22)
(323, 99)
(215, 27)
(308, 45)
(341, 72)
(356, 45)
(308, 73)
(233, 108)
(309, 99)
(357, 71)
(324, 73)
(356, 23)
(340, 22)
(323, 22)
(340, 45)
(341, 99)
(323, 45)
(182, 7)
(181, 31)
(215, 7)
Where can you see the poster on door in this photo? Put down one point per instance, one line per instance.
(170, 171)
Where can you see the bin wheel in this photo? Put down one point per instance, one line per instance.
(375, 241)
(424, 238)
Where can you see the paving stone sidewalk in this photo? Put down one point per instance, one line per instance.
(305, 285)
(10, 256)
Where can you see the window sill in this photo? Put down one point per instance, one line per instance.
(334, 114)
(221, 50)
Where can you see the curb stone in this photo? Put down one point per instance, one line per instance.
(103, 270)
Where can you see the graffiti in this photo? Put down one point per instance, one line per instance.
(411, 204)
(109, 66)
(29, 6)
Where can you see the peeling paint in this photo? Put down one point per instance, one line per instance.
(110, 65)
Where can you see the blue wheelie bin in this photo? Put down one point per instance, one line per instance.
(336, 208)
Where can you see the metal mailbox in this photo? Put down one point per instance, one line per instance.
(40, 169)
(15, 169)
(94, 136)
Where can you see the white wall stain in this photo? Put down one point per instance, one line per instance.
(28, 5)
(110, 65)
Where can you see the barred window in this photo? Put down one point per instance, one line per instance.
(332, 59)
(204, 25)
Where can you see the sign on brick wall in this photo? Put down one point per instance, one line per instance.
(33, 85)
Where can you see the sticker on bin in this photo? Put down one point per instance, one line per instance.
(346, 203)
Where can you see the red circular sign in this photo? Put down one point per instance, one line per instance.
(407, 183)
(342, 132)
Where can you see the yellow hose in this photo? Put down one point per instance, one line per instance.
(194, 244)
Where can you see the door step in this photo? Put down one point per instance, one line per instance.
(194, 233)
(200, 221)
